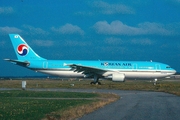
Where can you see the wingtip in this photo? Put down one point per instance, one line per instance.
(7, 59)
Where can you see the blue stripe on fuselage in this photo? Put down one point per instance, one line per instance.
(123, 65)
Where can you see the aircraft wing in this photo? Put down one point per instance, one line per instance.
(21, 63)
(87, 70)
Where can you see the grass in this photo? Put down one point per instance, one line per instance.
(47, 94)
(80, 110)
(21, 105)
(170, 86)
(29, 109)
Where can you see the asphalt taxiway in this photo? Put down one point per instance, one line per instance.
(139, 105)
(133, 105)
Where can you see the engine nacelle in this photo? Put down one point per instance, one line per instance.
(118, 77)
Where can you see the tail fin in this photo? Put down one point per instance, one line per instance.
(22, 49)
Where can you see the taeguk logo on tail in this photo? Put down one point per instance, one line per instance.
(22, 49)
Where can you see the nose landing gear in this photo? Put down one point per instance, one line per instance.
(155, 81)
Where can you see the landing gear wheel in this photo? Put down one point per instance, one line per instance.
(99, 83)
(96, 78)
(92, 83)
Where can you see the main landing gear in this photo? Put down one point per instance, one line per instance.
(96, 80)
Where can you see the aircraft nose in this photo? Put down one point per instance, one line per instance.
(173, 71)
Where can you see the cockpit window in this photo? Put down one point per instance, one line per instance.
(168, 67)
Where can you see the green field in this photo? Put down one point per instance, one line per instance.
(29, 105)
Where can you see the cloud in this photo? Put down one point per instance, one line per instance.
(77, 43)
(6, 10)
(106, 8)
(33, 30)
(141, 41)
(113, 41)
(68, 29)
(120, 42)
(45, 43)
(8, 30)
(153, 28)
(118, 28)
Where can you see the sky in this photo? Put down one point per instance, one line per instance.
(131, 30)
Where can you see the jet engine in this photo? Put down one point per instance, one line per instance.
(118, 77)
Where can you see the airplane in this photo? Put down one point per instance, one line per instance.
(117, 71)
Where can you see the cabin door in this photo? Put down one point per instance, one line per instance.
(158, 67)
(45, 64)
(134, 67)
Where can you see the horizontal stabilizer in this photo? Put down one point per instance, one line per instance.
(18, 62)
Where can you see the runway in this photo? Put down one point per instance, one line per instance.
(133, 105)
